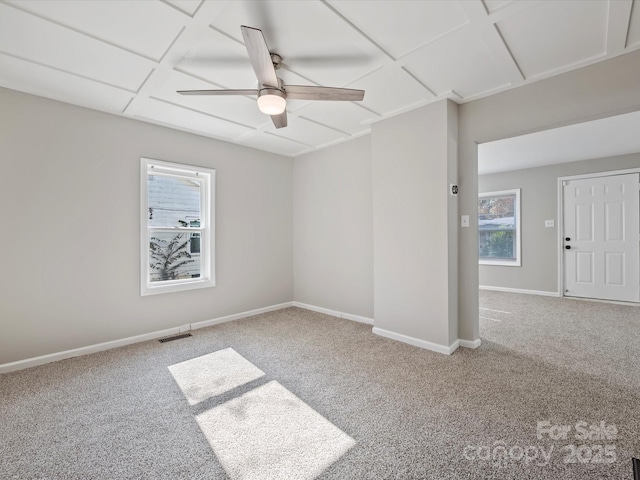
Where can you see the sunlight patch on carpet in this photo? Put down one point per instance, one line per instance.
(269, 433)
(209, 375)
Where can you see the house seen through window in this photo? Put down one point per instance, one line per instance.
(499, 228)
(177, 230)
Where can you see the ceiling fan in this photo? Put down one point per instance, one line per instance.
(272, 92)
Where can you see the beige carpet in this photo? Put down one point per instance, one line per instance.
(297, 391)
(595, 338)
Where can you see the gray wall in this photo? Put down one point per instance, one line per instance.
(414, 223)
(597, 91)
(333, 228)
(371, 219)
(69, 196)
(539, 202)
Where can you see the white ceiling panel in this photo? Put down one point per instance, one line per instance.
(554, 35)
(185, 119)
(129, 57)
(21, 75)
(402, 26)
(391, 89)
(492, 5)
(187, 6)
(456, 62)
(40, 41)
(220, 60)
(633, 40)
(118, 23)
(239, 108)
(606, 137)
(310, 38)
(308, 132)
(272, 143)
(344, 116)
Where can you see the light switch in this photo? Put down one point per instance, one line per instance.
(548, 223)
(464, 221)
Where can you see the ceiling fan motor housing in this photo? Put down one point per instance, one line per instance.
(276, 60)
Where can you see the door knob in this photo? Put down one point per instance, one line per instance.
(568, 247)
(567, 239)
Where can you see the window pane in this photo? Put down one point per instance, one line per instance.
(497, 244)
(173, 201)
(169, 257)
(194, 243)
(496, 227)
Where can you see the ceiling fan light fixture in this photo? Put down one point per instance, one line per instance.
(271, 101)
(272, 92)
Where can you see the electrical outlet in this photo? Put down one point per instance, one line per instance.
(549, 223)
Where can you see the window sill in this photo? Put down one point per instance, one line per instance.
(501, 263)
(177, 286)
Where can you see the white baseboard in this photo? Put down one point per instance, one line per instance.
(470, 343)
(238, 316)
(394, 336)
(416, 342)
(599, 300)
(519, 290)
(77, 352)
(334, 313)
(99, 347)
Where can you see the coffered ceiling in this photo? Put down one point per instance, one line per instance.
(129, 57)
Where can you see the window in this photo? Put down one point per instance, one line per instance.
(499, 228)
(176, 227)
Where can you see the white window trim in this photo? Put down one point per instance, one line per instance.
(207, 228)
(506, 263)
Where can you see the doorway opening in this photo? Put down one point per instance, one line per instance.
(579, 183)
(535, 165)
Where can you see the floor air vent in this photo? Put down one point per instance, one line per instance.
(177, 337)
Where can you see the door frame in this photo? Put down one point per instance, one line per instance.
(560, 201)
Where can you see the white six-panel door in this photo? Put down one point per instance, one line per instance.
(601, 238)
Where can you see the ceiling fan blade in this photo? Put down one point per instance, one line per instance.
(259, 56)
(280, 121)
(311, 92)
(219, 92)
(329, 60)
